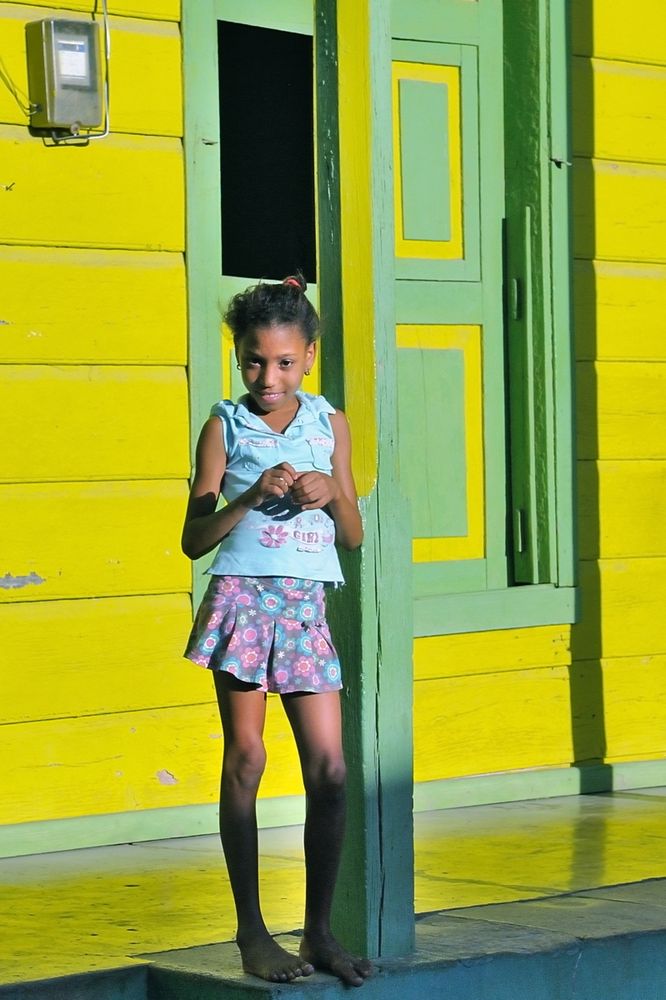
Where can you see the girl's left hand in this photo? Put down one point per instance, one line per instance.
(313, 490)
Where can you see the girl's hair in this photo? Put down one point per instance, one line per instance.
(273, 305)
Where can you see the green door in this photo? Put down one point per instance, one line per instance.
(449, 206)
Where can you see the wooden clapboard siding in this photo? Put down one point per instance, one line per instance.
(474, 693)
(129, 192)
(617, 209)
(97, 657)
(164, 10)
(490, 652)
(620, 295)
(621, 410)
(67, 306)
(630, 110)
(87, 539)
(492, 722)
(620, 509)
(610, 29)
(619, 310)
(634, 706)
(622, 608)
(94, 592)
(127, 761)
(93, 422)
(145, 69)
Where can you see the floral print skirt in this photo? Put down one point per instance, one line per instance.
(267, 631)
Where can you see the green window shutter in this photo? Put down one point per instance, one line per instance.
(449, 206)
(482, 309)
(524, 293)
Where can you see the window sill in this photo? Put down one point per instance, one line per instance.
(515, 607)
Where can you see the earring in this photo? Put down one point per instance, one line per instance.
(238, 366)
(307, 371)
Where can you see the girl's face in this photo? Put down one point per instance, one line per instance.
(273, 361)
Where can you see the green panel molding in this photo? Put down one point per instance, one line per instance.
(424, 155)
(431, 436)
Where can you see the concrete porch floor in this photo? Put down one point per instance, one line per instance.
(561, 881)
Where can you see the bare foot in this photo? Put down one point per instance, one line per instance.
(262, 957)
(325, 953)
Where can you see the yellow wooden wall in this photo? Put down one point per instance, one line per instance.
(97, 711)
(503, 701)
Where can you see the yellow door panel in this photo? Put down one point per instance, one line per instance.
(64, 540)
(73, 658)
(491, 722)
(125, 191)
(93, 422)
(67, 305)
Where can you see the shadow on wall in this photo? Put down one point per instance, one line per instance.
(586, 675)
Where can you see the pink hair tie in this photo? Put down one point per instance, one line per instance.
(293, 281)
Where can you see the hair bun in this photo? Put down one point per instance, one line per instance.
(297, 280)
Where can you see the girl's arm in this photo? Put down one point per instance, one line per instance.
(337, 492)
(205, 526)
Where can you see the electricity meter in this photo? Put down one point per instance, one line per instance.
(64, 74)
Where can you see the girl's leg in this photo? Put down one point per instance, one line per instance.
(316, 723)
(243, 711)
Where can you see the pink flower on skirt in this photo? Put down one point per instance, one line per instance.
(274, 536)
(281, 676)
(249, 657)
(303, 666)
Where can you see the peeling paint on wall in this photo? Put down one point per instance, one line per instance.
(166, 777)
(10, 582)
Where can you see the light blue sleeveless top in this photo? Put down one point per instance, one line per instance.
(278, 538)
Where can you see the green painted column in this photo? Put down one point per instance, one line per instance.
(371, 616)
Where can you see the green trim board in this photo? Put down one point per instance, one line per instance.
(435, 22)
(50, 836)
(538, 278)
(194, 821)
(287, 15)
(561, 280)
(514, 607)
(375, 638)
(538, 783)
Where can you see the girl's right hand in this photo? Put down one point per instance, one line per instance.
(274, 482)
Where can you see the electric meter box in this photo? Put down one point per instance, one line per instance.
(64, 74)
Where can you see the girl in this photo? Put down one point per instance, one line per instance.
(281, 458)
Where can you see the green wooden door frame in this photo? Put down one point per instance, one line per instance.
(374, 901)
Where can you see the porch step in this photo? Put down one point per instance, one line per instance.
(605, 944)
(601, 944)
